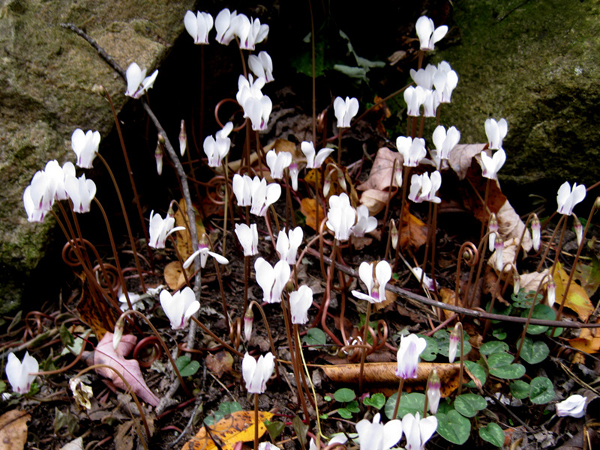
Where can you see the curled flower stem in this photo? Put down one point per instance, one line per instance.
(469, 253)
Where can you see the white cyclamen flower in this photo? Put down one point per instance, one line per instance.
(341, 216)
(423, 188)
(271, 279)
(250, 32)
(567, 198)
(410, 349)
(418, 431)
(198, 25)
(495, 132)
(85, 146)
(160, 229)
(278, 162)
(375, 284)
(81, 192)
(412, 150)
(428, 34)
(345, 110)
(226, 25)
(263, 196)
(18, 372)
(573, 406)
(414, 98)
(445, 141)
(377, 436)
(248, 237)
(364, 222)
(312, 161)
(427, 282)
(287, 244)
(300, 301)
(217, 149)
(424, 77)
(261, 66)
(137, 81)
(179, 307)
(492, 165)
(445, 80)
(204, 254)
(257, 373)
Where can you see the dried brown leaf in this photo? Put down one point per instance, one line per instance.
(382, 172)
(531, 281)
(220, 363)
(375, 200)
(13, 429)
(462, 156)
(511, 226)
(308, 207)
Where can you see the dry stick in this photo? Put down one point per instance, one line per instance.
(131, 180)
(457, 309)
(129, 389)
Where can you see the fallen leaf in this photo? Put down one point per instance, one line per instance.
(378, 374)
(124, 439)
(588, 275)
(13, 429)
(511, 226)
(219, 363)
(508, 256)
(173, 274)
(382, 172)
(308, 208)
(76, 444)
(448, 297)
(413, 232)
(531, 281)
(375, 200)
(577, 300)
(588, 340)
(128, 368)
(390, 297)
(461, 158)
(184, 241)
(96, 313)
(312, 176)
(231, 429)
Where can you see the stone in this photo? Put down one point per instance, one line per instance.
(50, 84)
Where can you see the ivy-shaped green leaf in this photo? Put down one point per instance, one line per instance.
(499, 334)
(509, 372)
(344, 395)
(315, 337)
(493, 347)
(186, 366)
(376, 400)
(499, 359)
(477, 371)
(345, 413)
(274, 428)
(453, 427)
(469, 404)
(533, 352)
(353, 406)
(542, 312)
(524, 299)
(431, 351)
(493, 434)
(409, 403)
(541, 391)
(225, 408)
(519, 389)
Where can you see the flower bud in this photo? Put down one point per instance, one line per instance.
(499, 245)
(327, 185)
(398, 175)
(516, 282)
(578, 229)
(551, 292)
(182, 138)
(158, 154)
(248, 321)
(434, 385)
(394, 234)
(341, 180)
(597, 203)
(454, 340)
(493, 229)
(118, 334)
(536, 232)
(161, 139)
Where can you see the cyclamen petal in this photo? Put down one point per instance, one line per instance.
(179, 307)
(345, 110)
(300, 301)
(18, 372)
(410, 349)
(257, 373)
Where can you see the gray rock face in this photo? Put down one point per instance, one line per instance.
(536, 64)
(50, 81)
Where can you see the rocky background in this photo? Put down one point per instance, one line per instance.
(533, 62)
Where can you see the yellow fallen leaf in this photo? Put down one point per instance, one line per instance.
(588, 341)
(231, 429)
(308, 208)
(184, 242)
(577, 299)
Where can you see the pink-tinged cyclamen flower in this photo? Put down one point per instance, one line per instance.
(551, 292)
(536, 232)
(160, 229)
(179, 307)
(427, 282)
(217, 149)
(341, 216)
(18, 372)
(412, 150)
(85, 146)
(423, 188)
(364, 222)
(377, 436)
(492, 165)
(410, 349)
(337, 439)
(198, 26)
(34, 212)
(431, 103)
(312, 161)
(226, 24)
(278, 162)
(182, 138)
(250, 32)
(453, 343)
(434, 393)
(428, 34)
(300, 301)
(445, 80)
(567, 198)
(293, 171)
(495, 132)
(137, 81)
(287, 244)
(418, 431)
(248, 321)
(158, 155)
(424, 77)
(345, 110)
(578, 229)
(257, 373)
(375, 284)
(262, 66)
(445, 141)
(414, 98)
(248, 237)
(81, 192)
(499, 246)
(263, 196)
(573, 406)
(493, 230)
(271, 279)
